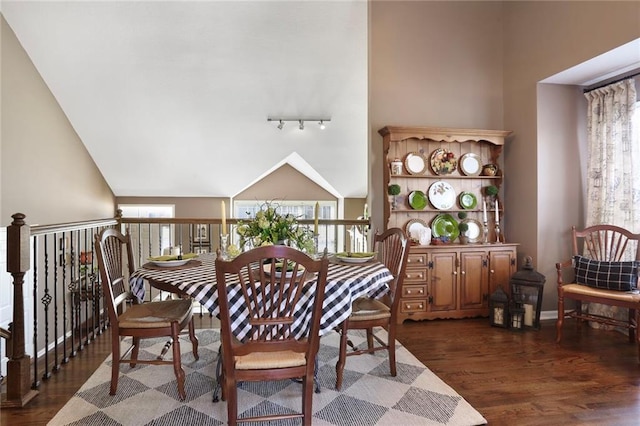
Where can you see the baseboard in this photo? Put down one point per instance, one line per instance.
(548, 315)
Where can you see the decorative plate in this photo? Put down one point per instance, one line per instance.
(354, 257)
(444, 225)
(417, 200)
(413, 228)
(442, 195)
(169, 263)
(415, 163)
(467, 200)
(278, 272)
(475, 233)
(443, 161)
(470, 164)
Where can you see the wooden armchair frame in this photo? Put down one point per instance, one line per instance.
(129, 318)
(393, 250)
(604, 243)
(273, 349)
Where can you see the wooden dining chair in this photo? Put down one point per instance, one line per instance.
(127, 317)
(282, 290)
(393, 250)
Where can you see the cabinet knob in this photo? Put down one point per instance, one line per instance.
(420, 306)
(455, 272)
(420, 291)
(408, 291)
(462, 272)
(492, 271)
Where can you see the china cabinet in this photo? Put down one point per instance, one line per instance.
(442, 172)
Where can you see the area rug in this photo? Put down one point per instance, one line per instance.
(147, 394)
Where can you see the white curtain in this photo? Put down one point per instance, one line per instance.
(613, 170)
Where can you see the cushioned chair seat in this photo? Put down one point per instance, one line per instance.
(267, 360)
(599, 292)
(155, 314)
(364, 309)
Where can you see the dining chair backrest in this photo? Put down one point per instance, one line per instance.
(111, 248)
(273, 298)
(607, 243)
(393, 251)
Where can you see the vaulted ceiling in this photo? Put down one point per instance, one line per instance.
(171, 98)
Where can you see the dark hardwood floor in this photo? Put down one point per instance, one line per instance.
(591, 378)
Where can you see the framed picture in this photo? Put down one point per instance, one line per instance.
(200, 233)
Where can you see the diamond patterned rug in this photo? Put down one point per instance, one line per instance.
(147, 394)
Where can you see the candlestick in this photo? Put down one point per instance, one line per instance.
(224, 245)
(484, 211)
(315, 219)
(224, 217)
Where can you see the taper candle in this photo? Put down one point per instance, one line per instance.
(224, 217)
(497, 214)
(484, 211)
(366, 211)
(315, 218)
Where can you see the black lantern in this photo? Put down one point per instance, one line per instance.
(526, 290)
(499, 308)
(516, 312)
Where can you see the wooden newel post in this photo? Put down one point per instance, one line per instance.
(19, 391)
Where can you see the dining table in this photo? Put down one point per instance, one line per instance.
(197, 279)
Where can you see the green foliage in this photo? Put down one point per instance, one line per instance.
(394, 189)
(270, 227)
(491, 190)
(462, 215)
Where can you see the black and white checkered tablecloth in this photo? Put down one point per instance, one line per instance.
(345, 283)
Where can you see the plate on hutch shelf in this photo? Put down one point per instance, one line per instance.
(467, 200)
(470, 164)
(443, 161)
(444, 225)
(415, 163)
(475, 233)
(442, 195)
(413, 228)
(417, 200)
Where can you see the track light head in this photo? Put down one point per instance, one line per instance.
(281, 125)
(322, 126)
(301, 124)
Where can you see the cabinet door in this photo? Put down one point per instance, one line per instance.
(502, 264)
(443, 282)
(473, 279)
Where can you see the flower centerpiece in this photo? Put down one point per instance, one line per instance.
(271, 227)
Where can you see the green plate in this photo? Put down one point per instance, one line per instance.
(444, 225)
(417, 200)
(468, 200)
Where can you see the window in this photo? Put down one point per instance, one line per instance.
(162, 235)
(243, 209)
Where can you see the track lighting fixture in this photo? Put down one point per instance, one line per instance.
(321, 121)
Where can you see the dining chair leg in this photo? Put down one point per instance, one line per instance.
(194, 339)
(342, 355)
(307, 400)
(391, 347)
(370, 338)
(135, 351)
(115, 362)
(560, 319)
(177, 364)
(231, 390)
